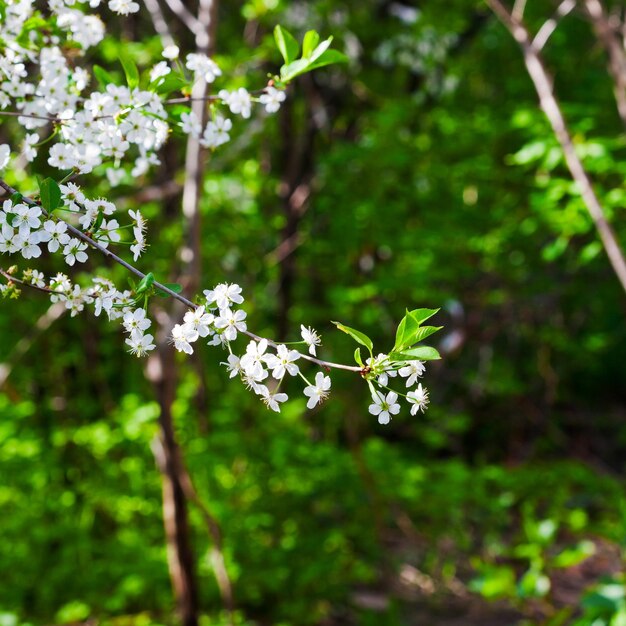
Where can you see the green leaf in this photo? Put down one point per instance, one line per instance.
(357, 335)
(17, 197)
(103, 77)
(357, 357)
(171, 82)
(98, 221)
(329, 57)
(421, 315)
(309, 43)
(290, 71)
(175, 287)
(131, 71)
(407, 328)
(421, 353)
(146, 282)
(287, 45)
(50, 194)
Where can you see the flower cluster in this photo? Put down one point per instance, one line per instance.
(88, 123)
(265, 365)
(25, 228)
(112, 125)
(379, 370)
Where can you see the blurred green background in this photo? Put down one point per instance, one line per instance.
(421, 175)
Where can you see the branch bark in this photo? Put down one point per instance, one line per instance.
(543, 83)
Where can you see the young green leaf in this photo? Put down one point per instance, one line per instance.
(421, 315)
(309, 43)
(50, 194)
(146, 282)
(103, 77)
(357, 357)
(287, 45)
(330, 57)
(421, 353)
(357, 335)
(290, 71)
(171, 82)
(131, 71)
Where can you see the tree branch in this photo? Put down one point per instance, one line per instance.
(549, 104)
(549, 26)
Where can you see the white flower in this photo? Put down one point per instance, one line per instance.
(223, 295)
(138, 249)
(159, 70)
(418, 398)
(171, 52)
(26, 218)
(136, 321)
(123, 7)
(318, 392)
(203, 66)
(272, 99)
(181, 337)
(413, 369)
(272, 400)
(254, 383)
(37, 278)
(384, 407)
(252, 361)
(55, 234)
(238, 101)
(5, 153)
(216, 132)
(73, 196)
(190, 124)
(233, 365)
(75, 251)
(231, 322)
(311, 338)
(140, 344)
(283, 362)
(140, 222)
(199, 321)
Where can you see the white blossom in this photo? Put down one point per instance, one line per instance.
(140, 344)
(413, 370)
(283, 362)
(272, 99)
(311, 338)
(384, 406)
(318, 392)
(230, 322)
(418, 399)
(272, 400)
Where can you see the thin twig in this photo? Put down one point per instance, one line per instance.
(549, 26)
(105, 251)
(518, 9)
(159, 22)
(13, 279)
(160, 286)
(184, 15)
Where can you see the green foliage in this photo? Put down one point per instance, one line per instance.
(430, 177)
(50, 194)
(314, 54)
